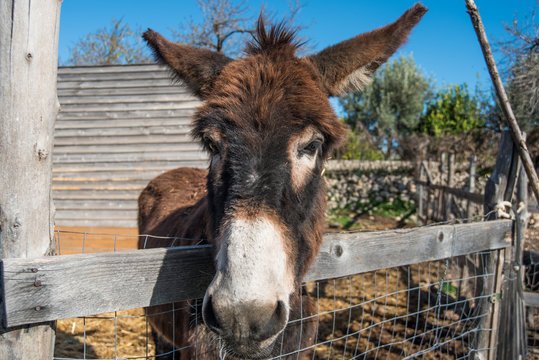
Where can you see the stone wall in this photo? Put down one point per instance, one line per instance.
(360, 185)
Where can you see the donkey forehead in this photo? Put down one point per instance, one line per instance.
(265, 92)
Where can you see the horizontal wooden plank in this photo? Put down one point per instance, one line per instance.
(110, 177)
(347, 254)
(125, 114)
(473, 197)
(88, 223)
(140, 165)
(95, 204)
(129, 279)
(115, 75)
(63, 70)
(150, 275)
(146, 156)
(100, 214)
(94, 185)
(115, 84)
(122, 123)
(154, 105)
(171, 89)
(127, 131)
(126, 99)
(96, 195)
(99, 184)
(177, 146)
(145, 141)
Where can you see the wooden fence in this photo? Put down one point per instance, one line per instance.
(44, 289)
(439, 202)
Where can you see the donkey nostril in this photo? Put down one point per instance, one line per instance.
(209, 317)
(276, 323)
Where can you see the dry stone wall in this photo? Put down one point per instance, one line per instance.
(359, 184)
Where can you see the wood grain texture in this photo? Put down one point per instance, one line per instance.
(130, 117)
(76, 285)
(28, 108)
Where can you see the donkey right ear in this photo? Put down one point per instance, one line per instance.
(349, 65)
(197, 67)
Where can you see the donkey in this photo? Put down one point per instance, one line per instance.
(268, 127)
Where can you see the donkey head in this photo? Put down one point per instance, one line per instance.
(268, 127)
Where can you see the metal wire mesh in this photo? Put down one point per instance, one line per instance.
(427, 310)
(530, 261)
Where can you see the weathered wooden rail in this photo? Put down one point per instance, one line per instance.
(51, 288)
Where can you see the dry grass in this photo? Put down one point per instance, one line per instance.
(108, 336)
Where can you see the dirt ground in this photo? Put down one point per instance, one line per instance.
(387, 314)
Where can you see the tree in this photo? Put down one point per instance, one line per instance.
(390, 107)
(454, 111)
(116, 44)
(521, 69)
(224, 26)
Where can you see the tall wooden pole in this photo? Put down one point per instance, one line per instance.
(510, 119)
(28, 109)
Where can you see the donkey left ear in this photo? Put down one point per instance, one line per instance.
(197, 67)
(347, 66)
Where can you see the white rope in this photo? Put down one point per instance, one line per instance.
(504, 210)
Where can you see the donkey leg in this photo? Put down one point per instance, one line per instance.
(163, 350)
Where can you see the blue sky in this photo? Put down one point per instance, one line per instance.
(444, 44)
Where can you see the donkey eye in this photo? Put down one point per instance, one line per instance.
(214, 149)
(311, 148)
(211, 146)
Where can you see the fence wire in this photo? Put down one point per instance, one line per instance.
(428, 310)
(530, 261)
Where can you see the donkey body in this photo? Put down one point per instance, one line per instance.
(268, 127)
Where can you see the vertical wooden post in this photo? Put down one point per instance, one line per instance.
(420, 195)
(471, 186)
(450, 178)
(512, 337)
(441, 193)
(28, 109)
(496, 191)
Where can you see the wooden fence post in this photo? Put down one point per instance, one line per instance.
(471, 186)
(450, 182)
(28, 109)
(441, 193)
(420, 195)
(497, 189)
(512, 337)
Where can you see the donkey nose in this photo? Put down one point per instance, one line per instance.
(253, 320)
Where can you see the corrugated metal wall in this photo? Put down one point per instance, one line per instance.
(118, 127)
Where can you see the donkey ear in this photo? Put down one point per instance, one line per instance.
(347, 66)
(197, 67)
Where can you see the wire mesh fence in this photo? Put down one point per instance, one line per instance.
(427, 310)
(530, 261)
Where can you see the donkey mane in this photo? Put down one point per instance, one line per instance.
(280, 37)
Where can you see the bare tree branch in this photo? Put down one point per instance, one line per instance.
(225, 25)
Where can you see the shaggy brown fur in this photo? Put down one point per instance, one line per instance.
(255, 109)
